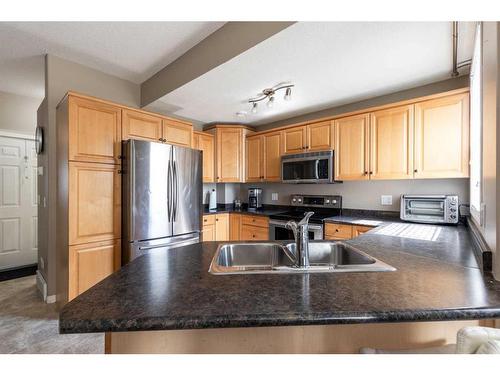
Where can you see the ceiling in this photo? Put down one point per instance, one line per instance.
(330, 63)
(130, 50)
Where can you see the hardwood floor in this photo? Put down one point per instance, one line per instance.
(28, 325)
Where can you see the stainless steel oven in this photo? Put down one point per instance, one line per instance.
(278, 231)
(430, 208)
(307, 168)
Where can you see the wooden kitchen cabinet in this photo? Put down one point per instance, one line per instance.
(206, 143)
(264, 157)
(208, 228)
(351, 147)
(294, 140)
(334, 231)
(254, 158)
(177, 132)
(94, 204)
(254, 228)
(442, 137)
(358, 230)
(90, 263)
(222, 227)
(391, 143)
(94, 131)
(234, 226)
(140, 125)
(272, 156)
(320, 136)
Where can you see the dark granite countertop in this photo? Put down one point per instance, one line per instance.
(434, 280)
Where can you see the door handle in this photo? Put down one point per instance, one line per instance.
(169, 191)
(176, 190)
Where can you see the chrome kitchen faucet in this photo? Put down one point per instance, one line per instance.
(301, 235)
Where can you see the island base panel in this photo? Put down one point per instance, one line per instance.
(348, 338)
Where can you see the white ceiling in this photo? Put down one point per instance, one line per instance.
(331, 63)
(129, 50)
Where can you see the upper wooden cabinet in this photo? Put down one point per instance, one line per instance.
(206, 143)
(140, 125)
(391, 143)
(254, 158)
(264, 157)
(148, 127)
(94, 202)
(442, 137)
(294, 140)
(320, 136)
(313, 137)
(177, 132)
(351, 147)
(230, 152)
(272, 156)
(94, 131)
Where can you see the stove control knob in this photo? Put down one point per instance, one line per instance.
(300, 200)
(453, 216)
(294, 200)
(327, 201)
(334, 201)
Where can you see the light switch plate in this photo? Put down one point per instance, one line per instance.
(386, 200)
(274, 196)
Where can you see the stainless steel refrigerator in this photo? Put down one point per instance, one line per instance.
(162, 197)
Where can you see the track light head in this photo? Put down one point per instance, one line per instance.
(288, 94)
(254, 107)
(270, 102)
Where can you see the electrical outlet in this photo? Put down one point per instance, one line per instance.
(274, 196)
(386, 200)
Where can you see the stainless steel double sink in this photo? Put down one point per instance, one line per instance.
(274, 257)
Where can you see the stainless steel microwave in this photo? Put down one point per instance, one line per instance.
(432, 209)
(308, 168)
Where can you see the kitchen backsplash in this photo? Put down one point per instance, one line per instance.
(355, 194)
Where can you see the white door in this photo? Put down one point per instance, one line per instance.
(18, 203)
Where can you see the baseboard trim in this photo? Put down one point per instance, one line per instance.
(16, 272)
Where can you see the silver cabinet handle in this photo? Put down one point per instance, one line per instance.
(169, 191)
(176, 190)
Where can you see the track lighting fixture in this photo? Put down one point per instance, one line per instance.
(269, 95)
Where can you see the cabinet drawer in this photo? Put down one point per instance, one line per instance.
(253, 233)
(208, 219)
(338, 231)
(258, 221)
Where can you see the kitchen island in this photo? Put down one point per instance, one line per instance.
(169, 302)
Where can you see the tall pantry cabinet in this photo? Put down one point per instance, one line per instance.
(89, 136)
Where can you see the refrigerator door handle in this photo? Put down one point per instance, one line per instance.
(169, 191)
(176, 191)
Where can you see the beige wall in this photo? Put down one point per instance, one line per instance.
(363, 194)
(61, 76)
(18, 113)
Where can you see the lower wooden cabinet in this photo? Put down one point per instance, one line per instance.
(215, 227)
(234, 226)
(90, 263)
(334, 231)
(254, 228)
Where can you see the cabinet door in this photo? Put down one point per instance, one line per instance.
(253, 233)
(206, 143)
(94, 202)
(222, 227)
(320, 136)
(294, 140)
(139, 125)
(234, 227)
(90, 263)
(442, 137)
(358, 230)
(254, 159)
(391, 143)
(272, 156)
(229, 155)
(335, 231)
(351, 148)
(94, 132)
(177, 133)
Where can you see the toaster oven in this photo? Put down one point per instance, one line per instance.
(432, 209)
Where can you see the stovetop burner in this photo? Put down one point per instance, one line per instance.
(323, 206)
